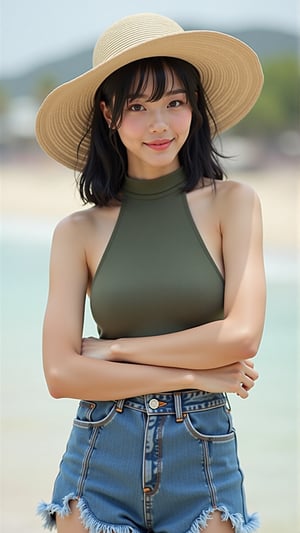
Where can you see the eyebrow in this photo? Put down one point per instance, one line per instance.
(169, 93)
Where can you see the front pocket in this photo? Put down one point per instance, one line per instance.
(94, 414)
(211, 425)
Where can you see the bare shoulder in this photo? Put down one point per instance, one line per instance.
(235, 188)
(74, 225)
(227, 189)
(234, 194)
(238, 207)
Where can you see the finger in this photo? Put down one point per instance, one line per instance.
(250, 371)
(242, 391)
(247, 382)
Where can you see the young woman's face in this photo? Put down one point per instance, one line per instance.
(154, 132)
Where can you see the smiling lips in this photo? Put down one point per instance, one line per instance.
(159, 145)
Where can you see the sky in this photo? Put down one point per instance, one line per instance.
(37, 31)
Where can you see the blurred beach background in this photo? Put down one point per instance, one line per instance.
(44, 45)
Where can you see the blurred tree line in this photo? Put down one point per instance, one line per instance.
(278, 108)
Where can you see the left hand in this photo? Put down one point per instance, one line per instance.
(97, 348)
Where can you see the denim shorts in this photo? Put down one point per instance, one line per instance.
(160, 463)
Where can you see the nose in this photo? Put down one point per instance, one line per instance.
(157, 122)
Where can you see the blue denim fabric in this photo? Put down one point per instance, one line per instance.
(152, 464)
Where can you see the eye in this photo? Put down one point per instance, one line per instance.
(176, 103)
(136, 107)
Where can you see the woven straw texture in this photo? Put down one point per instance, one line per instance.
(230, 71)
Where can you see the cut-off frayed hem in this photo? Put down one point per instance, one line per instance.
(90, 522)
(88, 519)
(236, 519)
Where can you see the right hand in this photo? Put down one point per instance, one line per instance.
(238, 378)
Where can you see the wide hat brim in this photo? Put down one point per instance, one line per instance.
(230, 72)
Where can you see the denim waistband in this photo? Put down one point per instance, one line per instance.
(178, 403)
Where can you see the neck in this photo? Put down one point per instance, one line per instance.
(151, 173)
(173, 181)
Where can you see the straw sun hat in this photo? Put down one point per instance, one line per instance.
(230, 73)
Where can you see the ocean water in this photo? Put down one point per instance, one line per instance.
(35, 427)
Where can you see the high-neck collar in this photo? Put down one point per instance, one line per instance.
(154, 187)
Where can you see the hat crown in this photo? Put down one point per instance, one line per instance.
(132, 31)
(230, 71)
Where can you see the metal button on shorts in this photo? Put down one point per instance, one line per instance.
(154, 403)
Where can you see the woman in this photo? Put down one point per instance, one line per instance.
(171, 257)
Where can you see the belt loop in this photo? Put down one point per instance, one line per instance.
(227, 402)
(178, 406)
(120, 406)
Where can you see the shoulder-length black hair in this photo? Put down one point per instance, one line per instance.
(106, 164)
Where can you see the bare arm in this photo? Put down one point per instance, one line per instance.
(237, 336)
(69, 374)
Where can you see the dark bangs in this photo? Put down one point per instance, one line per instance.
(134, 79)
(106, 166)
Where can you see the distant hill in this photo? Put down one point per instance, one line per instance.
(267, 43)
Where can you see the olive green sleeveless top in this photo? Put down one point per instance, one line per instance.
(156, 275)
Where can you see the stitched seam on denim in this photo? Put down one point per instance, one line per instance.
(147, 500)
(208, 474)
(86, 462)
(90, 411)
(89, 424)
(216, 404)
(159, 457)
(213, 438)
(170, 411)
(242, 477)
(88, 406)
(157, 447)
(120, 405)
(178, 407)
(144, 453)
(155, 458)
(148, 511)
(135, 408)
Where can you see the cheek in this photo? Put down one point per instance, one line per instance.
(130, 128)
(185, 121)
